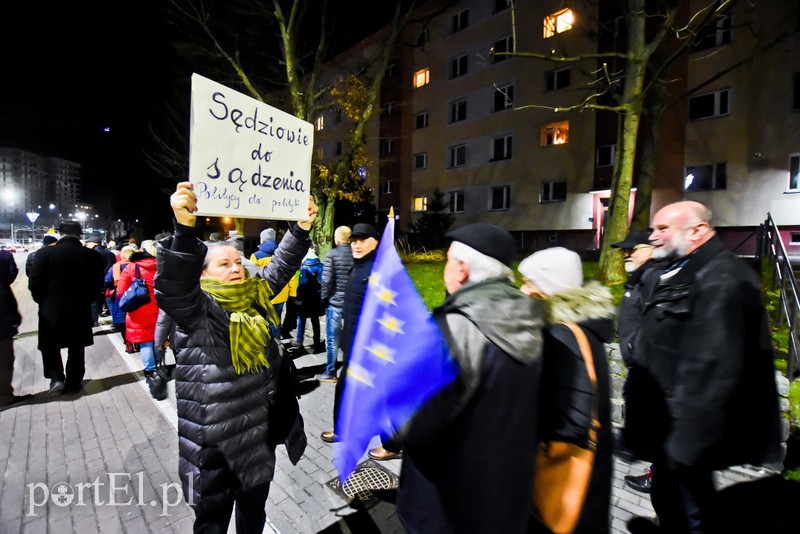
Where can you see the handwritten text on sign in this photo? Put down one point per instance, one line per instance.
(247, 159)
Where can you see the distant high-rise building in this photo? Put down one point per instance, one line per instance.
(34, 183)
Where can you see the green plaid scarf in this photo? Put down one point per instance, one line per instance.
(249, 330)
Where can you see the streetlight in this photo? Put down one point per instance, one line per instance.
(32, 216)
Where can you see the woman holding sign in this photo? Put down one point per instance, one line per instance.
(233, 404)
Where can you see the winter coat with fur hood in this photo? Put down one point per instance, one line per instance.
(565, 393)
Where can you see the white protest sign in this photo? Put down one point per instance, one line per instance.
(247, 159)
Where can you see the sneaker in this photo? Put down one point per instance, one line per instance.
(326, 377)
(56, 386)
(296, 344)
(642, 483)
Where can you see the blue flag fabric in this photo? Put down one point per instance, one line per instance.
(398, 361)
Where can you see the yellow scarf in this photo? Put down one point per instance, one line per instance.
(249, 330)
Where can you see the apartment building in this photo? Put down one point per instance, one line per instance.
(483, 129)
(35, 183)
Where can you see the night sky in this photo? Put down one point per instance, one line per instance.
(71, 70)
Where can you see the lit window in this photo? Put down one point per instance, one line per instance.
(556, 79)
(500, 198)
(421, 120)
(501, 47)
(456, 201)
(555, 134)
(420, 203)
(319, 124)
(422, 77)
(606, 155)
(387, 187)
(710, 105)
(458, 110)
(501, 148)
(794, 172)
(558, 22)
(457, 156)
(460, 21)
(553, 192)
(706, 177)
(503, 98)
(420, 160)
(458, 67)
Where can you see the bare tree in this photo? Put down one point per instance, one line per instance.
(275, 51)
(635, 86)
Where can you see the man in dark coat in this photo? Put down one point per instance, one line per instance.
(701, 392)
(470, 451)
(335, 271)
(364, 240)
(9, 322)
(65, 279)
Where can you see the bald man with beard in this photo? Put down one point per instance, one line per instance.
(701, 390)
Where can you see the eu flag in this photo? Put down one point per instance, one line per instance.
(398, 361)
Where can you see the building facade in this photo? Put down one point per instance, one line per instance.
(490, 131)
(35, 184)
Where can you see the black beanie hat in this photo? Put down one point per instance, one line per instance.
(489, 239)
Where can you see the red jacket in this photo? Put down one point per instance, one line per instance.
(140, 325)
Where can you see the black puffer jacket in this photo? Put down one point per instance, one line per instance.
(335, 272)
(223, 418)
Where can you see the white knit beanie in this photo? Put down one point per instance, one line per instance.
(553, 270)
(267, 235)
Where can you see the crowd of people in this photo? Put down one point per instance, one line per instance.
(692, 329)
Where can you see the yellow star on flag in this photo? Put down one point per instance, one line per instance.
(392, 323)
(387, 295)
(382, 351)
(359, 373)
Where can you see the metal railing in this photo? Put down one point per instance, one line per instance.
(785, 282)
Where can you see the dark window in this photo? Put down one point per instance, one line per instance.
(606, 155)
(420, 160)
(421, 120)
(553, 192)
(794, 173)
(714, 34)
(706, 177)
(460, 21)
(458, 67)
(557, 79)
(422, 37)
(501, 148)
(387, 187)
(796, 99)
(388, 146)
(457, 156)
(501, 5)
(458, 110)
(456, 201)
(337, 115)
(710, 105)
(503, 98)
(339, 149)
(500, 198)
(506, 44)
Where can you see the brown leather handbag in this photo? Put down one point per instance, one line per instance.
(563, 469)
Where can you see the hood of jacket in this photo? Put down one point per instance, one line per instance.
(591, 305)
(507, 317)
(266, 248)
